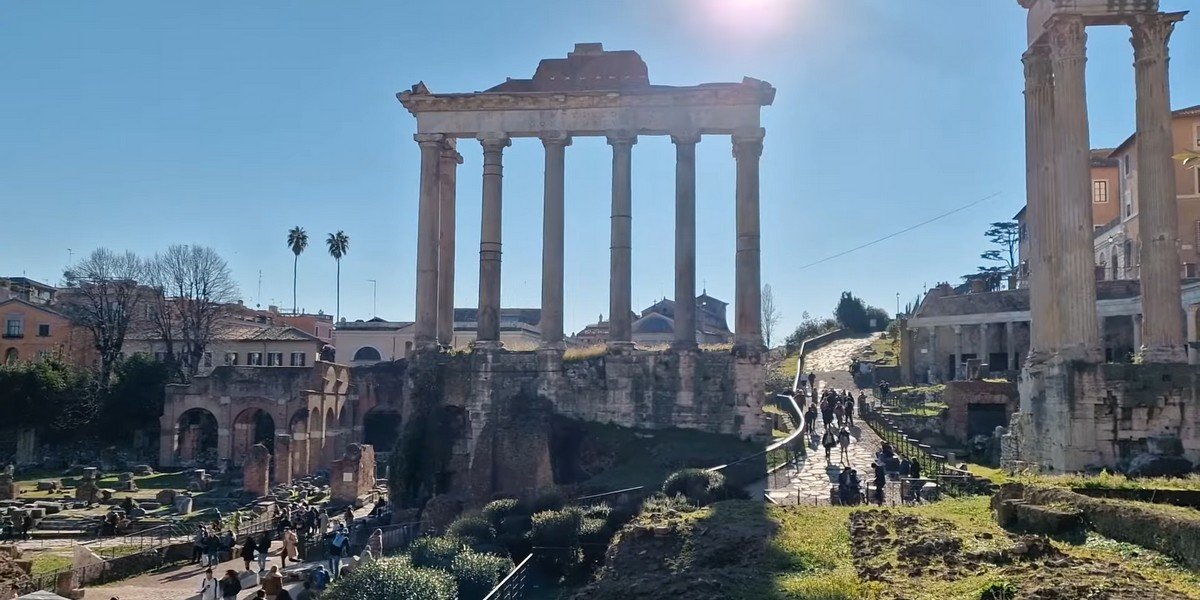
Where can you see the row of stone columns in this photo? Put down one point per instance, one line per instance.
(983, 351)
(435, 240)
(1062, 278)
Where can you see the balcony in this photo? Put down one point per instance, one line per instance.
(13, 336)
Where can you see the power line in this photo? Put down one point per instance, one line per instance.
(901, 232)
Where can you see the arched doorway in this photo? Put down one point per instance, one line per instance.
(252, 426)
(316, 440)
(367, 353)
(196, 438)
(11, 356)
(333, 437)
(298, 427)
(381, 429)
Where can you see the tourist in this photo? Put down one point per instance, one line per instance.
(260, 595)
(272, 583)
(247, 552)
(904, 466)
(810, 419)
(826, 413)
(855, 488)
(323, 522)
(264, 550)
(914, 469)
(337, 549)
(307, 593)
(231, 585)
(812, 384)
(320, 580)
(212, 550)
(843, 489)
(283, 595)
(348, 517)
(26, 525)
(843, 440)
(829, 441)
(880, 481)
(198, 544)
(290, 547)
(208, 586)
(849, 410)
(839, 413)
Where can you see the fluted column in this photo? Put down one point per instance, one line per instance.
(620, 326)
(488, 334)
(685, 239)
(552, 240)
(934, 369)
(958, 352)
(425, 329)
(1010, 345)
(983, 343)
(1039, 185)
(1163, 329)
(1075, 281)
(747, 148)
(448, 187)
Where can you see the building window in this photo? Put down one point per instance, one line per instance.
(274, 359)
(1125, 163)
(208, 360)
(14, 328)
(231, 359)
(298, 359)
(1189, 270)
(44, 330)
(1100, 191)
(254, 359)
(1022, 232)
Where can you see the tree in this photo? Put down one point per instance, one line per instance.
(103, 296)
(809, 327)
(194, 290)
(339, 245)
(770, 313)
(1189, 158)
(297, 240)
(135, 398)
(1006, 235)
(851, 312)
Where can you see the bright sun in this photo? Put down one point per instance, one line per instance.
(751, 18)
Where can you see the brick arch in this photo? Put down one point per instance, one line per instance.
(251, 425)
(195, 437)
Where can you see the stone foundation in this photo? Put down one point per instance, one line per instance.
(960, 396)
(1076, 416)
(353, 476)
(256, 471)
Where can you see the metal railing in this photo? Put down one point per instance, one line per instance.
(950, 480)
(512, 587)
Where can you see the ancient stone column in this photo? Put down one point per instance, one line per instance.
(1163, 327)
(488, 336)
(620, 331)
(935, 369)
(984, 351)
(283, 457)
(553, 240)
(747, 148)
(425, 329)
(1193, 355)
(1137, 332)
(1010, 344)
(685, 239)
(1074, 284)
(958, 352)
(1039, 186)
(447, 195)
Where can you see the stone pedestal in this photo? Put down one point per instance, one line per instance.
(26, 446)
(353, 476)
(256, 471)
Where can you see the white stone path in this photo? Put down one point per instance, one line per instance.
(810, 480)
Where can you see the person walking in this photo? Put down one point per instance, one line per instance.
(812, 384)
(198, 544)
(320, 580)
(263, 550)
(810, 419)
(829, 441)
(337, 549)
(850, 411)
(291, 545)
(843, 439)
(231, 585)
(247, 551)
(209, 587)
(880, 481)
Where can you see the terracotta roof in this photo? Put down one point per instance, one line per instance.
(249, 332)
(1102, 157)
(40, 307)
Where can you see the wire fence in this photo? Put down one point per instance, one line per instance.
(513, 586)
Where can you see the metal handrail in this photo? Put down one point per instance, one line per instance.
(512, 587)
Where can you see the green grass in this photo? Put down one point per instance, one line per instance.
(1112, 480)
(887, 352)
(46, 562)
(928, 409)
(809, 557)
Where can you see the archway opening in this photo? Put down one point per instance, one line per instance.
(367, 353)
(381, 429)
(11, 356)
(196, 438)
(252, 426)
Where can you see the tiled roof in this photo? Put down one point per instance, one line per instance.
(40, 307)
(249, 332)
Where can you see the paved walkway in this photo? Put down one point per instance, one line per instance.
(181, 582)
(809, 481)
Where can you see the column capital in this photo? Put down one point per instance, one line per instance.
(1068, 37)
(748, 142)
(429, 139)
(450, 150)
(1037, 64)
(494, 142)
(621, 138)
(685, 137)
(555, 138)
(1151, 32)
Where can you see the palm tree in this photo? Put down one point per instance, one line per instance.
(339, 245)
(297, 241)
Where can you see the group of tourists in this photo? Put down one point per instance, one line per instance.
(836, 412)
(208, 543)
(16, 526)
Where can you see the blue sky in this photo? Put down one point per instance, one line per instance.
(137, 124)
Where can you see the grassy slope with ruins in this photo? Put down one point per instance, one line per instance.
(744, 550)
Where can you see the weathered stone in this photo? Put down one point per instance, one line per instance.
(183, 504)
(354, 475)
(1154, 465)
(49, 485)
(165, 496)
(256, 471)
(439, 512)
(143, 470)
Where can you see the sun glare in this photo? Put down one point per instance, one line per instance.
(751, 18)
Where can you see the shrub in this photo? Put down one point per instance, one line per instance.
(435, 552)
(594, 535)
(389, 578)
(556, 534)
(471, 528)
(698, 485)
(496, 510)
(478, 573)
(662, 504)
